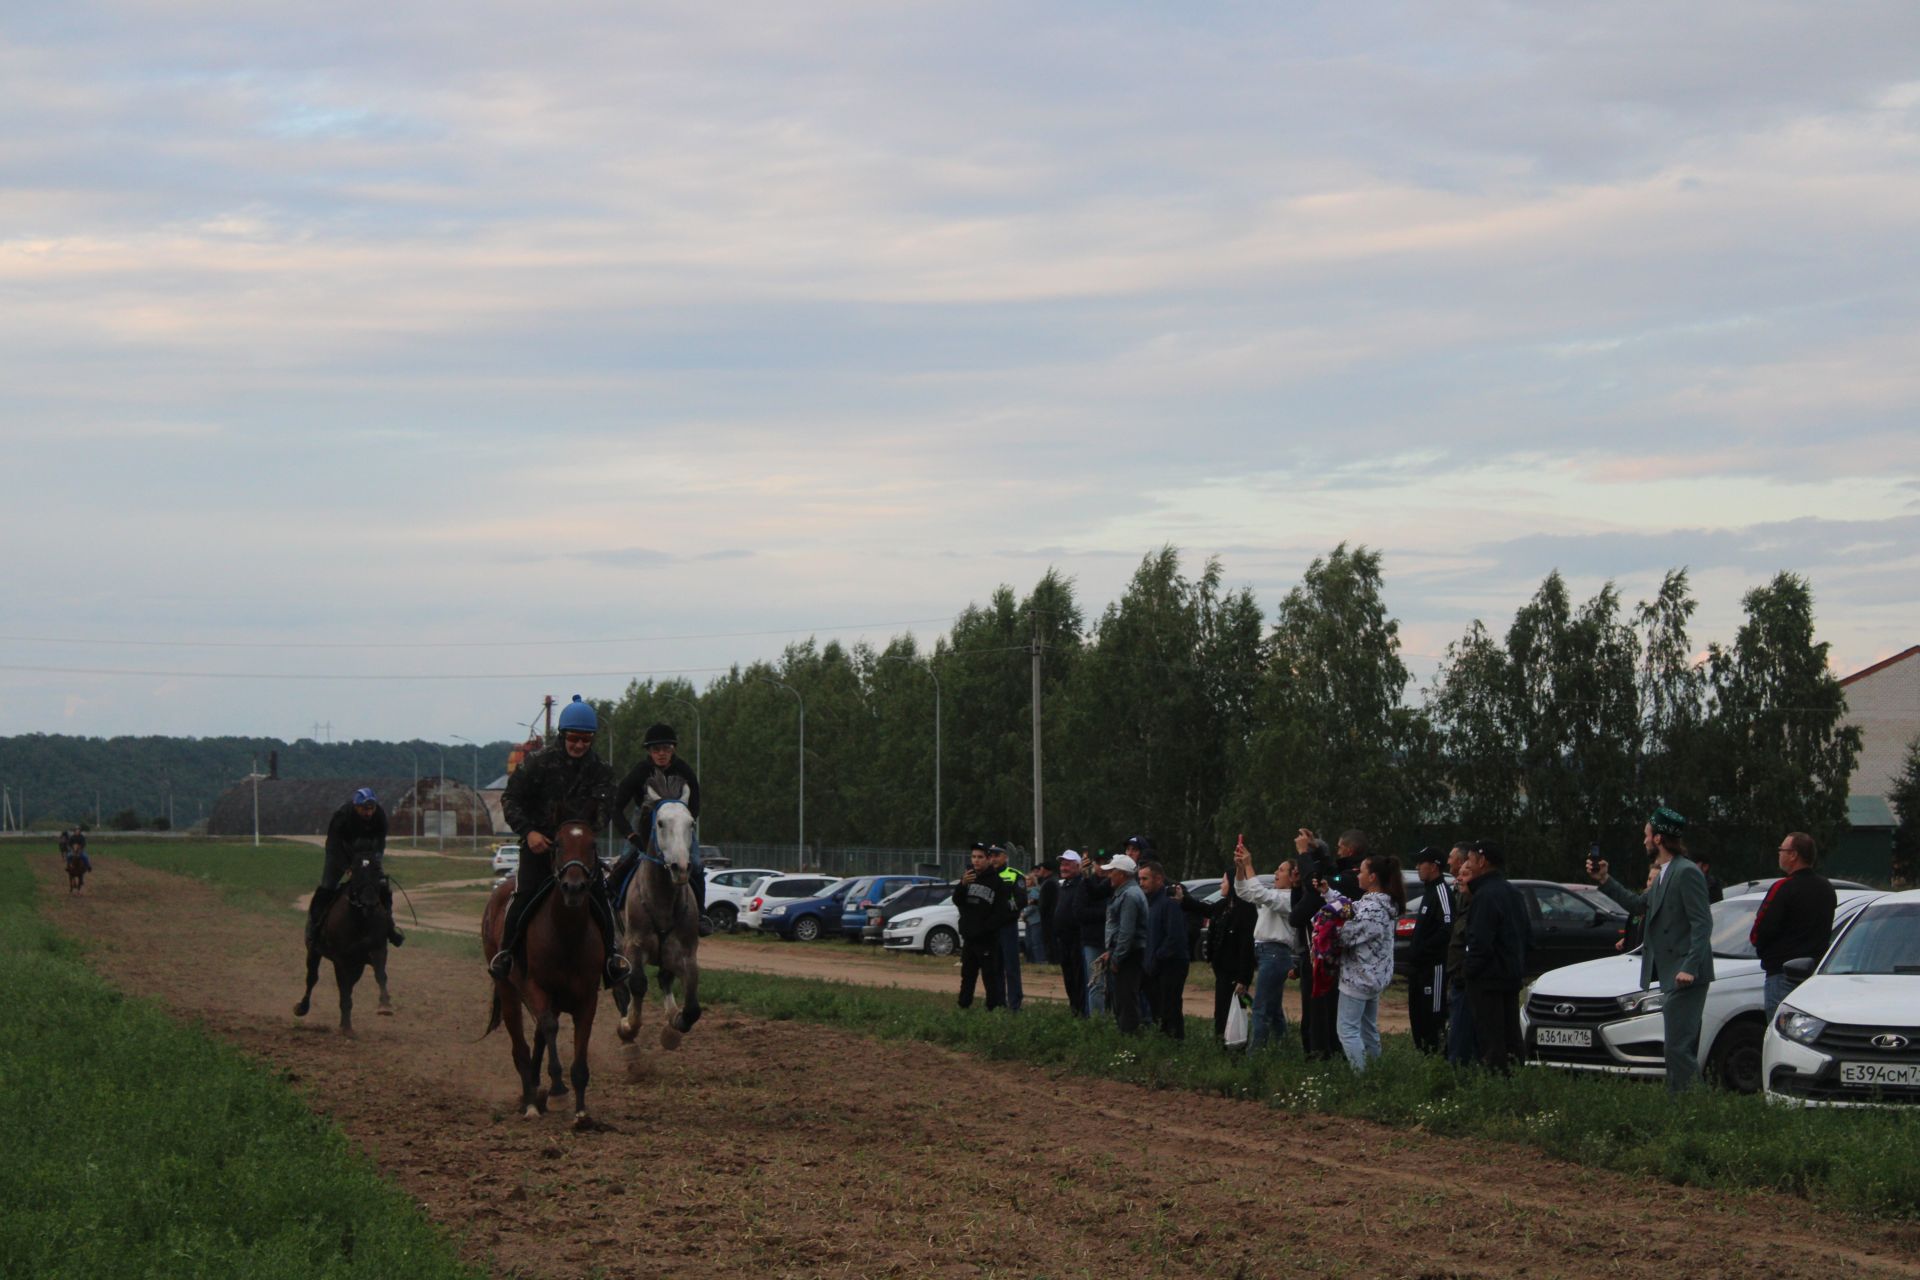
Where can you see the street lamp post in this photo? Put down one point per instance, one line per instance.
(440, 800)
(415, 796)
(695, 708)
(936, 741)
(803, 762)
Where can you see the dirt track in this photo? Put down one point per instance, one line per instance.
(783, 1149)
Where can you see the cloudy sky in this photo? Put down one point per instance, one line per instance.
(383, 340)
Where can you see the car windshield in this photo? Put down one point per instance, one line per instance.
(1732, 922)
(1884, 939)
(791, 889)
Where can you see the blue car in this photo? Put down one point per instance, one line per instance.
(840, 911)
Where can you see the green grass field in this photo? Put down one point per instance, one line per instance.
(1860, 1161)
(139, 1148)
(277, 872)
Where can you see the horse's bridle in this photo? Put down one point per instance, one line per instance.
(584, 862)
(651, 854)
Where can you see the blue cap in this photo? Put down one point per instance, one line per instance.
(577, 717)
(364, 796)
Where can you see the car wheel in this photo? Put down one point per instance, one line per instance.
(942, 942)
(806, 928)
(725, 917)
(1735, 1061)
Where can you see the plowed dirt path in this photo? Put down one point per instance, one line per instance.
(782, 1149)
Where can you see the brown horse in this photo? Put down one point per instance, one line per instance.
(354, 936)
(76, 872)
(557, 971)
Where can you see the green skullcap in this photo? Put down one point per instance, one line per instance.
(1665, 822)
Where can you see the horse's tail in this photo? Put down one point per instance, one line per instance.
(493, 1016)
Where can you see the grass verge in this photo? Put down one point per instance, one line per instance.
(1859, 1161)
(276, 873)
(137, 1147)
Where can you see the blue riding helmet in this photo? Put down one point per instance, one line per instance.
(364, 796)
(578, 717)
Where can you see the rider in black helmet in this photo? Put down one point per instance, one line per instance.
(662, 768)
(358, 829)
(567, 783)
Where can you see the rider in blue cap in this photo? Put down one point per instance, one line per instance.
(570, 784)
(358, 829)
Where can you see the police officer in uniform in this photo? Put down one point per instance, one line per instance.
(661, 764)
(358, 829)
(568, 784)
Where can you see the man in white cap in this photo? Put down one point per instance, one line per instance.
(1068, 893)
(1125, 956)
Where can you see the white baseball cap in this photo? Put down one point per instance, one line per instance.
(1122, 862)
(1069, 856)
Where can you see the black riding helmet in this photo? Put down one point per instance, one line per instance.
(661, 735)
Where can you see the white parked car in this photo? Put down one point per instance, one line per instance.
(727, 893)
(1595, 1016)
(772, 889)
(1849, 1036)
(506, 860)
(934, 929)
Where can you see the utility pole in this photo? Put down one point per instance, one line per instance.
(255, 774)
(1039, 808)
(416, 796)
(476, 789)
(440, 800)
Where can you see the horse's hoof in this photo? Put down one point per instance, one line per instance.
(540, 1100)
(584, 1123)
(626, 1033)
(386, 1009)
(349, 1033)
(669, 1038)
(300, 1010)
(557, 1092)
(531, 1113)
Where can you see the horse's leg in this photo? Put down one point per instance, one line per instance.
(556, 1083)
(670, 1015)
(690, 986)
(582, 1034)
(629, 1025)
(313, 976)
(380, 976)
(510, 1006)
(544, 1025)
(345, 974)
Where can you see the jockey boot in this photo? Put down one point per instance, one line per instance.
(394, 935)
(629, 855)
(501, 966)
(617, 967)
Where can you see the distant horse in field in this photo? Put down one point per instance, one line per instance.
(353, 935)
(660, 924)
(76, 872)
(557, 971)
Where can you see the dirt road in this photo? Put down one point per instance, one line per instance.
(784, 1149)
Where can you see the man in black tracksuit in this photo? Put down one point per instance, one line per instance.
(1498, 932)
(358, 829)
(985, 901)
(1795, 920)
(1427, 954)
(1060, 910)
(663, 770)
(1230, 952)
(1092, 909)
(563, 783)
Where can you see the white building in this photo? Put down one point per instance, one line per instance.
(1884, 701)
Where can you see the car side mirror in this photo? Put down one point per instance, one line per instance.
(1801, 968)
(1600, 918)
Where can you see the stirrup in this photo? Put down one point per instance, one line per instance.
(618, 969)
(501, 966)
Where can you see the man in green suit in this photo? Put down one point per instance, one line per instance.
(1677, 940)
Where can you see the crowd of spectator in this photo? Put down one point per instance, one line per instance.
(1125, 937)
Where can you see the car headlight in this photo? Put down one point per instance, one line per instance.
(1643, 1002)
(776, 911)
(1801, 1028)
(905, 922)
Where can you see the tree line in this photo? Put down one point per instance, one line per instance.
(1183, 713)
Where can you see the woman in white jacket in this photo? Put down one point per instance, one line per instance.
(1276, 944)
(1366, 961)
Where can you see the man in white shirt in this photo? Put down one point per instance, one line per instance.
(1275, 944)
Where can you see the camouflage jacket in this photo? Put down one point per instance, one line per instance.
(551, 788)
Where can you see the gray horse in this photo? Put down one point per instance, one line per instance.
(661, 924)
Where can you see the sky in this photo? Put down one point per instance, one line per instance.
(389, 367)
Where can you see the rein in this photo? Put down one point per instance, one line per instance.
(651, 854)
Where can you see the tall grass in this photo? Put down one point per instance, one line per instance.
(135, 1147)
(1866, 1162)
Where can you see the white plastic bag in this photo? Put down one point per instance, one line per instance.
(1236, 1023)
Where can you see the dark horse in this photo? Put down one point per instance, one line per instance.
(557, 971)
(353, 935)
(661, 924)
(76, 872)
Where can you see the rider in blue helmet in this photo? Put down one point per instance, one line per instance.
(358, 829)
(567, 784)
